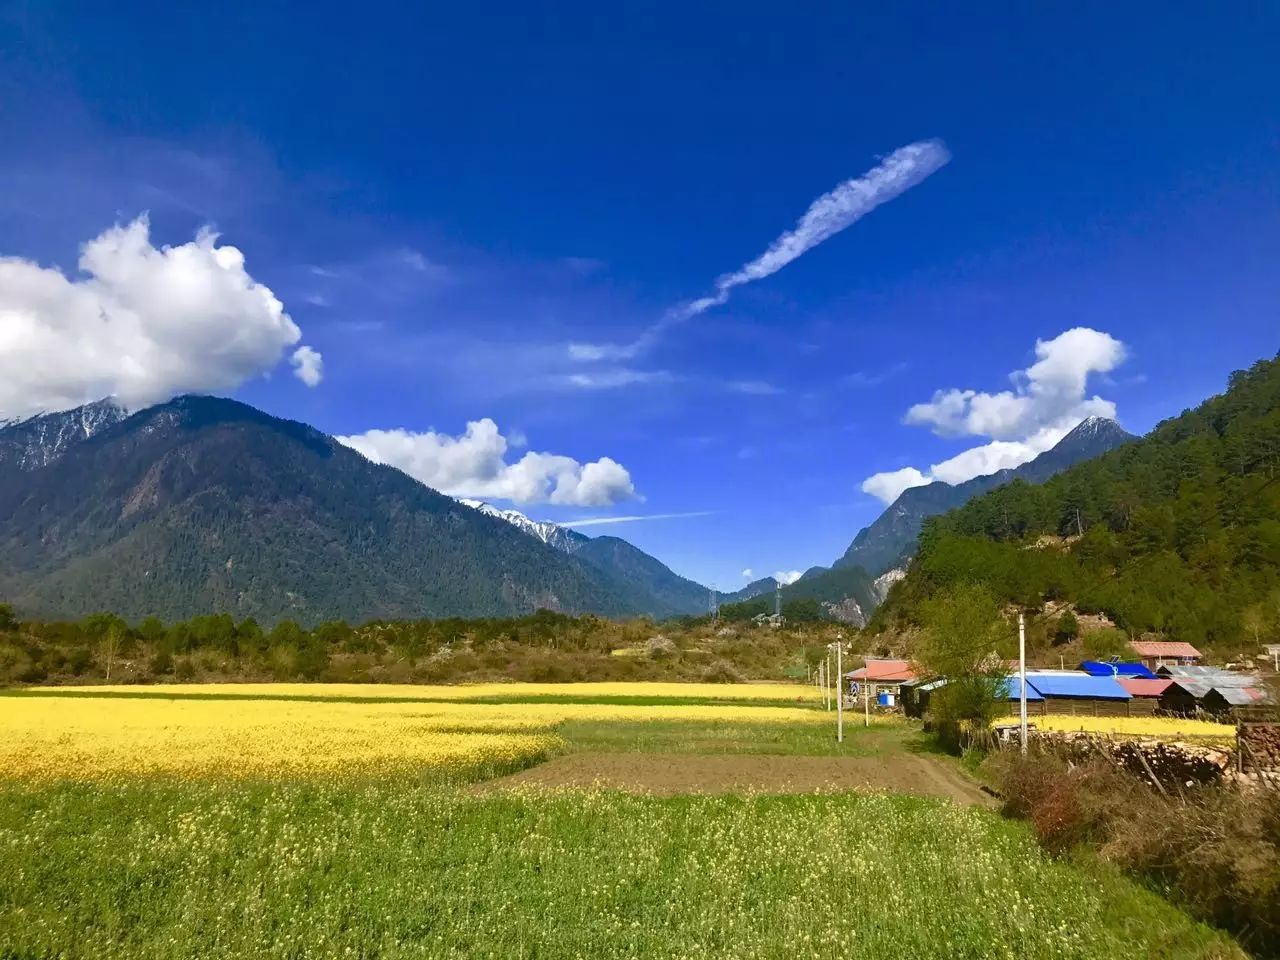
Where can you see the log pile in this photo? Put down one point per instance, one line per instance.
(1172, 764)
(1259, 745)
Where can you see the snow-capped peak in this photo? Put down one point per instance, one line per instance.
(549, 533)
(40, 440)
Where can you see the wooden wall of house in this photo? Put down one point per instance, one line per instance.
(1086, 707)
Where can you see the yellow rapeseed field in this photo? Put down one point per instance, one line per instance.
(1163, 727)
(478, 691)
(57, 736)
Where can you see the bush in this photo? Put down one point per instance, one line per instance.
(721, 671)
(184, 669)
(162, 663)
(660, 648)
(1216, 850)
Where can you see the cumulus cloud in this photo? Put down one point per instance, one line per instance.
(1047, 401)
(308, 365)
(788, 577)
(141, 323)
(475, 465)
(890, 485)
(748, 573)
(831, 213)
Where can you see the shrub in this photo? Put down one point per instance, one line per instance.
(184, 669)
(660, 648)
(721, 671)
(1215, 849)
(162, 663)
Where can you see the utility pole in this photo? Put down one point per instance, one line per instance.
(1022, 679)
(839, 688)
(822, 679)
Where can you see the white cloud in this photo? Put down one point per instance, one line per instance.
(788, 577)
(831, 213)
(308, 365)
(602, 521)
(748, 573)
(616, 377)
(475, 465)
(1050, 390)
(888, 486)
(1048, 400)
(142, 323)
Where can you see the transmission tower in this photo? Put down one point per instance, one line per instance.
(713, 605)
(777, 599)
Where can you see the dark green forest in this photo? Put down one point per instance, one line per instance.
(1177, 534)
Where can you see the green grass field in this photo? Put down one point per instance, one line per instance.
(415, 868)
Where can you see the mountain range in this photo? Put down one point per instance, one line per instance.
(205, 504)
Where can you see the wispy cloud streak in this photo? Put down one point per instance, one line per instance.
(831, 213)
(600, 521)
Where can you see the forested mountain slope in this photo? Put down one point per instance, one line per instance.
(203, 505)
(1177, 533)
(891, 538)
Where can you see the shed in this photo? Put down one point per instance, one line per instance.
(1224, 700)
(1156, 653)
(882, 676)
(1144, 693)
(1009, 690)
(1080, 694)
(1114, 668)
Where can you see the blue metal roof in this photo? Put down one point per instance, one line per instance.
(1012, 686)
(1077, 685)
(1100, 668)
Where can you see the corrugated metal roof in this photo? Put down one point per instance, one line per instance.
(1012, 688)
(885, 670)
(1241, 696)
(1164, 648)
(1235, 694)
(1216, 676)
(1101, 668)
(1077, 685)
(1144, 687)
(1196, 688)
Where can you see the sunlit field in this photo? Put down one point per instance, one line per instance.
(208, 826)
(594, 692)
(1167, 728)
(95, 737)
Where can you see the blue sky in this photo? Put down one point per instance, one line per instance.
(444, 200)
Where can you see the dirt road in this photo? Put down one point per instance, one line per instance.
(666, 774)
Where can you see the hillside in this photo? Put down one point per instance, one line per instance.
(1178, 533)
(205, 505)
(846, 594)
(892, 536)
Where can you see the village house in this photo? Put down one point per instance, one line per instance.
(883, 677)
(1157, 653)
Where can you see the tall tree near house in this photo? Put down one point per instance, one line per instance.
(965, 640)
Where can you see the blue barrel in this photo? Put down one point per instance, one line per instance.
(883, 699)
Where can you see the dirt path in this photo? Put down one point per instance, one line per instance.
(666, 774)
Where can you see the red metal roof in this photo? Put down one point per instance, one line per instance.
(1141, 687)
(889, 671)
(1164, 648)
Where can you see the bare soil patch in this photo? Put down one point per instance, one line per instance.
(669, 774)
